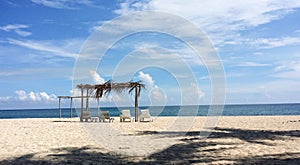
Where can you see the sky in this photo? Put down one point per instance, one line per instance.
(43, 45)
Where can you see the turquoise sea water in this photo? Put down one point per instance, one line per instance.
(202, 110)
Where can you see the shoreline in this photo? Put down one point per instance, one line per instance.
(235, 139)
(221, 116)
(143, 106)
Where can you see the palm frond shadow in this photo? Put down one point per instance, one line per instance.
(70, 155)
(190, 150)
(251, 136)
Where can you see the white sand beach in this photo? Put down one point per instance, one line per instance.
(245, 140)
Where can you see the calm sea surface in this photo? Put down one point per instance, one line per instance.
(202, 110)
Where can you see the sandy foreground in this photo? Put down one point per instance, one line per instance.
(166, 140)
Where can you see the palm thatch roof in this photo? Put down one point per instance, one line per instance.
(99, 90)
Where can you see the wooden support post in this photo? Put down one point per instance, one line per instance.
(59, 107)
(87, 100)
(136, 112)
(98, 106)
(71, 103)
(81, 100)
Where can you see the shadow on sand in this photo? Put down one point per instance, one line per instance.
(191, 150)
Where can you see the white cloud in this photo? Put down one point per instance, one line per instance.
(49, 47)
(220, 19)
(192, 94)
(63, 4)
(179, 52)
(198, 91)
(21, 94)
(276, 91)
(268, 43)
(129, 7)
(290, 65)
(151, 51)
(288, 70)
(45, 96)
(17, 28)
(10, 73)
(97, 78)
(75, 92)
(51, 3)
(252, 64)
(23, 33)
(96, 25)
(156, 94)
(32, 99)
(13, 27)
(34, 96)
(146, 78)
(5, 98)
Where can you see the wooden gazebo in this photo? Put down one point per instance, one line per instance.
(99, 90)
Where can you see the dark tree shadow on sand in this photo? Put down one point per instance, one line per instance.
(191, 150)
(190, 153)
(251, 136)
(71, 155)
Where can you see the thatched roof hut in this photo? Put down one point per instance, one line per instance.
(99, 90)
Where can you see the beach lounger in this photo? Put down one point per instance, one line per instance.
(85, 116)
(125, 115)
(145, 115)
(94, 119)
(104, 115)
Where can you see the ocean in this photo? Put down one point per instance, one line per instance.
(201, 110)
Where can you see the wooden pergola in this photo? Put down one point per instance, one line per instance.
(99, 90)
(71, 103)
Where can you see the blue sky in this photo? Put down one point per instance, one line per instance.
(257, 41)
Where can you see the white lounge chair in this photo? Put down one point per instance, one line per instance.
(145, 114)
(125, 115)
(85, 115)
(105, 115)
